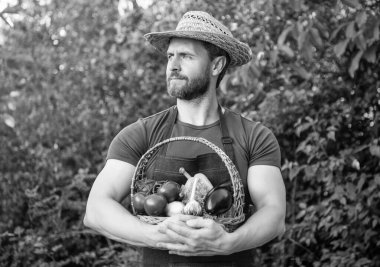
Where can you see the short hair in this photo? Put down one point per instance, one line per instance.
(213, 52)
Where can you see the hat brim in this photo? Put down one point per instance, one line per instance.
(239, 52)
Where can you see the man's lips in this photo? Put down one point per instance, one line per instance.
(177, 78)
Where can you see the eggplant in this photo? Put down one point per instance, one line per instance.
(218, 201)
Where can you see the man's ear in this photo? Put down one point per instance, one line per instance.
(218, 65)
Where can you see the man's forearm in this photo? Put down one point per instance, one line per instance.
(111, 219)
(264, 225)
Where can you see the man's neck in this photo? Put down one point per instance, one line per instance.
(199, 113)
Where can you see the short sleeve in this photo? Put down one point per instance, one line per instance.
(264, 148)
(129, 144)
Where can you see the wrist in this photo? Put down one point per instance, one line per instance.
(231, 243)
(149, 234)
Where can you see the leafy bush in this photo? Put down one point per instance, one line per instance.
(73, 74)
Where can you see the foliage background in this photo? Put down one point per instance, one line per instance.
(73, 73)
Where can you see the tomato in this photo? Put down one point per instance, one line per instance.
(155, 204)
(138, 202)
(218, 201)
(170, 190)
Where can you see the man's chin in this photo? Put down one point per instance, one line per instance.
(180, 92)
(185, 97)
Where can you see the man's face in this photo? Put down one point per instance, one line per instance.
(188, 69)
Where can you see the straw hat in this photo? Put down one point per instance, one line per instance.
(202, 26)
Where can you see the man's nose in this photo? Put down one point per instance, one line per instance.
(174, 64)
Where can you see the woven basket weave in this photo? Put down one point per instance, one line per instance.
(232, 218)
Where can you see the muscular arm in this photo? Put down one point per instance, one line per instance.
(267, 191)
(106, 215)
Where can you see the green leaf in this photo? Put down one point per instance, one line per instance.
(361, 42)
(294, 172)
(303, 127)
(361, 18)
(316, 38)
(375, 151)
(302, 72)
(377, 179)
(337, 30)
(301, 214)
(311, 170)
(352, 3)
(376, 32)
(295, 4)
(331, 135)
(307, 51)
(340, 48)
(301, 39)
(355, 164)
(323, 30)
(370, 54)
(287, 50)
(302, 205)
(273, 56)
(281, 39)
(355, 63)
(350, 189)
(350, 30)
(9, 120)
(361, 182)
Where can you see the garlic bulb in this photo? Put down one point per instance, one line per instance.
(202, 188)
(193, 207)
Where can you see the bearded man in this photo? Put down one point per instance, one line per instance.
(199, 51)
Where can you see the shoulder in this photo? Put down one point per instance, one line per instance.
(248, 124)
(147, 124)
(258, 140)
(158, 117)
(159, 114)
(155, 126)
(254, 133)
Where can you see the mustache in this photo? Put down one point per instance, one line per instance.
(177, 76)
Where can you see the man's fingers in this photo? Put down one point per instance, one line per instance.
(178, 220)
(173, 235)
(173, 246)
(190, 254)
(199, 222)
(181, 230)
(186, 217)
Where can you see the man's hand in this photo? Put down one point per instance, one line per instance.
(195, 236)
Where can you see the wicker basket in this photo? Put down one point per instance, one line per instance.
(232, 218)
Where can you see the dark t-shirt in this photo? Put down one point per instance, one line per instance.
(253, 143)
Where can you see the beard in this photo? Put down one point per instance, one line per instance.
(190, 89)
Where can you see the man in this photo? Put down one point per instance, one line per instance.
(198, 52)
